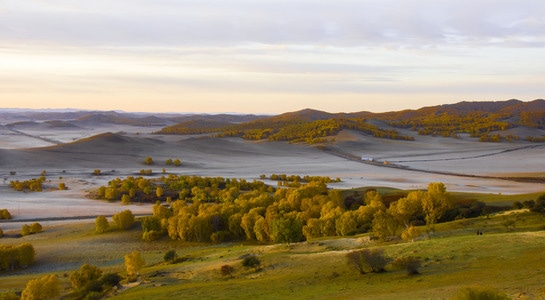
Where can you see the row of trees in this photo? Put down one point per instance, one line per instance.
(292, 214)
(291, 130)
(32, 185)
(14, 257)
(122, 220)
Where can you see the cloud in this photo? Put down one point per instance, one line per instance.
(367, 23)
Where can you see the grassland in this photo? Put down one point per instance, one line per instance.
(504, 258)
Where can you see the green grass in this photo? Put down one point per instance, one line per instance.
(507, 259)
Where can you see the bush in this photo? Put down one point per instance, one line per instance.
(251, 261)
(480, 293)
(110, 279)
(170, 256)
(409, 263)
(35, 228)
(4, 214)
(227, 270)
(368, 260)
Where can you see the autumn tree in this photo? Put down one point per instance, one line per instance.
(133, 263)
(25, 230)
(124, 220)
(4, 214)
(101, 224)
(384, 225)
(46, 287)
(286, 230)
(436, 202)
(148, 161)
(85, 275)
(35, 228)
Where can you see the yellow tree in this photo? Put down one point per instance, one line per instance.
(133, 263)
(101, 224)
(47, 287)
(408, 208)
(436, 202)
(86, 274)
(124, 220)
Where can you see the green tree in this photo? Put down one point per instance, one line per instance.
(286, 230)
(101, 224)
(46, 287)
(133, 263)
(124, 220)
(84, 276)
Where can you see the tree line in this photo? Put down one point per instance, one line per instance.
(290, 130)
(215, 209)
(14, 257)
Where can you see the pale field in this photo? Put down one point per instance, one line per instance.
(122, 154)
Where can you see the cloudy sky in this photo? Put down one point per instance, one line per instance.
(265, 56)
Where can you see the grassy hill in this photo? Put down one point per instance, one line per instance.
(507, 258)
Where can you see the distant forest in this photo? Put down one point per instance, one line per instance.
(482, 120)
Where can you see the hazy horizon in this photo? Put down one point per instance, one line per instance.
(269, 56)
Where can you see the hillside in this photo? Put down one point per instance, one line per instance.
(483, 120)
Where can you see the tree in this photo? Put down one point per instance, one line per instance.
(101, 224)
(410, 234)
(47, 287)
(169, 162)
(436, 202)
(124, 220)
(148, 161)
(25, 230)
(286, 230)
(159, 192)
(133, 263)
(1, 233)
(177, 162)
(35, 228)
(84, 276)
(4, 214)
(368, 260)
(407, 209)
(385, 225)
(62, 186)
(125, 199)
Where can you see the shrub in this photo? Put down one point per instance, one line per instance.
(84, 276)
(227, 270)
(368, 260)
(251, 261)
(35, 228)
(409, 263)
(25, 230)
(170, 256)
(4, 214)
(110, 279)
(124, 220)
(481, 293)
(101, 224)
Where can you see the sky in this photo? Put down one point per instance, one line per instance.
(265, 56)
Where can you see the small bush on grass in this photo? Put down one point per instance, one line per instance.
(479, 293)
(252, 262)
(368, 260)
(409, 263)
(170, 256)
(227, 270)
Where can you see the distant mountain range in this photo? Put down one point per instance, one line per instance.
(484, 120)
